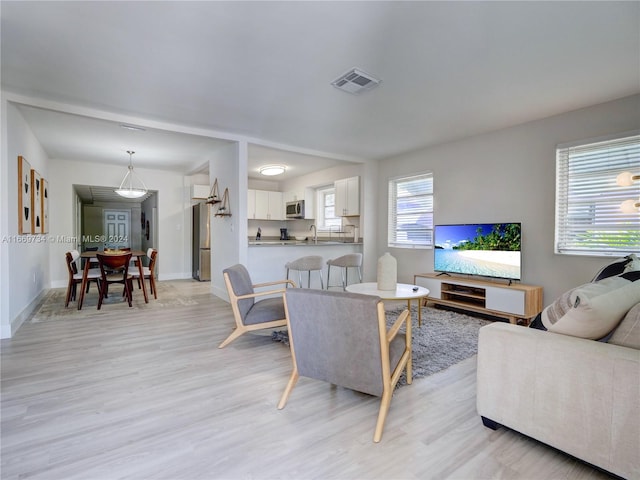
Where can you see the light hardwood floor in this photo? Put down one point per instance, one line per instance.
(148, 395)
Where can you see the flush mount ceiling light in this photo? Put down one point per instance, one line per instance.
(270, 170)
(132, 127)
(355, 81)
(132, 186)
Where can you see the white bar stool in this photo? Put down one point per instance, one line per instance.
(351, 260)
(310, 263)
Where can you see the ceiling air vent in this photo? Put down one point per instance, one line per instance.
(355, 81)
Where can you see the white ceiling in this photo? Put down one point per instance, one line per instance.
(263, 70)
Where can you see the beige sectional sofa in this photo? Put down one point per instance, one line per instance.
(578, 395)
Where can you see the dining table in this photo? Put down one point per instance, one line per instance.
(139, 254)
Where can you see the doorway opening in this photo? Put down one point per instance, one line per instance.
(105, 220)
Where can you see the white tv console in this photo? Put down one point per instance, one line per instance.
(513, 302)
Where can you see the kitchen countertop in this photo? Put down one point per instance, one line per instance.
(310, 243)
(266, 261)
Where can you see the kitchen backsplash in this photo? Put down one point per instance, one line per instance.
(295, 228)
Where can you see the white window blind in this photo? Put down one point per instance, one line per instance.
(589, 220)
(410, 222)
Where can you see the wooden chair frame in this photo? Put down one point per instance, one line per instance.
(120, 265)
(241, 328)
(389, 378)
(151, 275)
(75, 278)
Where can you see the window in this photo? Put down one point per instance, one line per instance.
(411, 211)
(589, 220)
(325, 215)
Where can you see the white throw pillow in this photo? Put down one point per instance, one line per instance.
(628, 332)
(592, 310)
(633, 265)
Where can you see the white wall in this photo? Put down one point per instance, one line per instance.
(27, 270)
(24, 266)
(323, 177)
(508, 175)
(229, 234)
(271, 228)
(368, 173)
(173, 213)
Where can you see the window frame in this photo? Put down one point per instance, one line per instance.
(321, 193)
(588, 218)
(393, 227)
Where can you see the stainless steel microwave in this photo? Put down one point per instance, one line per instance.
(295, 209)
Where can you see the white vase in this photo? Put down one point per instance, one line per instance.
(387, 272)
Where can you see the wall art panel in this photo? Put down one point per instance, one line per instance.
(24, 196)
(45, 206)
(36, 202)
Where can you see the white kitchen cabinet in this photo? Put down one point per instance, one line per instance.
(276, 206)
(251, 204)
(293, 195)
(262, 205)
(265, 205)
(309, 203)
(347, 197)
(200, 192)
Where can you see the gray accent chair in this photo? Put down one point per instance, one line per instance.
(251, 314)
(342, 338)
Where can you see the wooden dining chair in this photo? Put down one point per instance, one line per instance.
(114, 268)
(75, 277)
(93, 261)
(147, 272)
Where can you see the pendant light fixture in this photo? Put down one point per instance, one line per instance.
(132, 186)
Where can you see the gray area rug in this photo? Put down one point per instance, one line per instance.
(170, 294)
(444, 339)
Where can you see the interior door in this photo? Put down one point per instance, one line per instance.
(117, 228)
(78, 223)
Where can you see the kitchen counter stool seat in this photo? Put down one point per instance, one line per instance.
(351, 260)
(310, 263)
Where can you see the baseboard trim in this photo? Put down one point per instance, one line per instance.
(9, 330)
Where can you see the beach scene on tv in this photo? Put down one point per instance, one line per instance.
(491, 250)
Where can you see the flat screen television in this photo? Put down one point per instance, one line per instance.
(484, 249)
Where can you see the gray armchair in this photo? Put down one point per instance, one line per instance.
(250, 314)
(342, 338)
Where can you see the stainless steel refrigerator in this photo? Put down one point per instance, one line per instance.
(201, 242)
